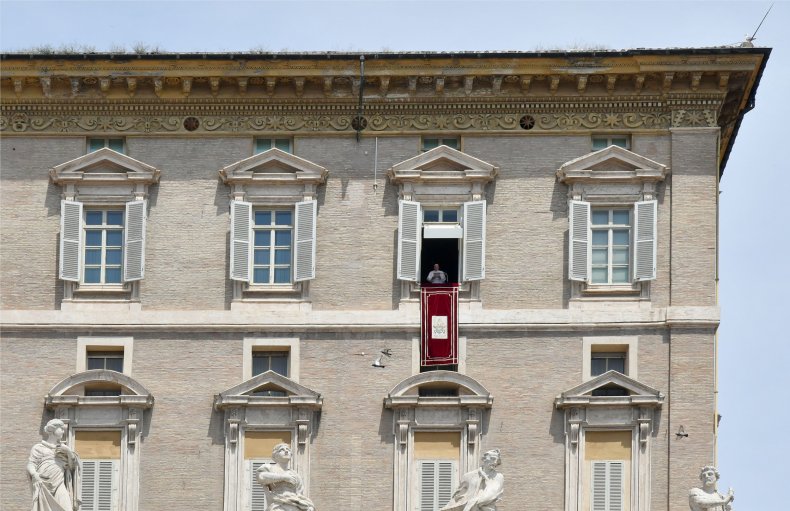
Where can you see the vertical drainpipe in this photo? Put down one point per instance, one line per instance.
(716, 289)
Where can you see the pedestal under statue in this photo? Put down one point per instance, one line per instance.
(481, 489)
(54, 471)
(284, 487)
(707, 498)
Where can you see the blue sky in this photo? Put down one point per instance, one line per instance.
(754, 251)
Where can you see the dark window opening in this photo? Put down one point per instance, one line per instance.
(610, 390)
(102, 391)
(268, 391)
(439, 367)
(112, 360)
(438, 392)
(441, 251)
(276, 361)
(603, 362)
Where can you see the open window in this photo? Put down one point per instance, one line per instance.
(259, 413)
(273, 214)
(609, 424)
(105, 428)
(442, 215)
(103, 225)
(438, 419)
(612, 221)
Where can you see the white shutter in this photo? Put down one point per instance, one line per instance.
(99, 485)
(134, 241)
(240, 240)
(615, 486)
(70, 240)
(409, 240)
(607, 485)
(578, 240)
(427, 486)
(304, 246)
(444, 482)
(257, 491)
(645, 217)
(599, 486)
(474, 240)
(88, 483)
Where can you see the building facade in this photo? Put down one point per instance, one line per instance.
(205, 255)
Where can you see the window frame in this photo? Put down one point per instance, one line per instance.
(440, 141)
(608, 140)
(610, 227)
(273, 227)
(256, 142)
(106, 143)
(104, 227)
(627, 345)
(250, 345)
(124, 345)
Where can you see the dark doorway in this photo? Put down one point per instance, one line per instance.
(443, 251)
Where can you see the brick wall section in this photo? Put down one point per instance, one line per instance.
(692, 405)
(694, 200)
(353, 442)
(30, 220)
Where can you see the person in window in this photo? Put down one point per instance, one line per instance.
(54, 471)
(437, 276)
(284, 488)
(481, 489)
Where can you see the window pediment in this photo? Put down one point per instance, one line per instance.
(67, 392)
(638, 393)
(442, 165)
(470, 391)
(273, 167)
(611, 165)
(104, 166)
(295, 394)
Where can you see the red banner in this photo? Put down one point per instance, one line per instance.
(439, 325)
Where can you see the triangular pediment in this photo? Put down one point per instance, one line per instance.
(245, 392)
(612, 163)
(104, 165)
(635, 392)
(442, 163)
(273, 165)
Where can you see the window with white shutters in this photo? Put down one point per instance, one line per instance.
(607, 486)
(99, 485)
(436, 479)
(474, 240)
(409, 238)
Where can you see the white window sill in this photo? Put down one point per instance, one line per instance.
(280, 289)
(102, 288)
(612, 289)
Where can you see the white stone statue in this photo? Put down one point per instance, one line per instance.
(54, 471)
(481, 489)
(707, 498)
(284, 488)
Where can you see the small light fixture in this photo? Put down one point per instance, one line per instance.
(681, 432)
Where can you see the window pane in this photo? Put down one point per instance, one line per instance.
(600, 256)
(450, 142)
(619, 256)
(282, 257)
(282, 275)
(263, 144)
(619, 275)
(598, 144)
(600, 238)
(282, 238)
(282, 217)
(620, 142)
(263, 238)
(600, 217)
(92, 238)
(260, 364)
(112, 275)
(261, 256)
(597, 366)
(114, 238)
(113, 256)
(280, 365)
(93, 256)
(115, 364)
(93, 218)
(283, 144)
(116, 144)
(617, 364)
(263, 218)
(620, 237)
(260, 276)
(430, 215)
(95, 363)
(92, 275)
(429, 143)
(599, 276)
(450, 215)
(115, 218)
(95, 144)
(620, 217)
